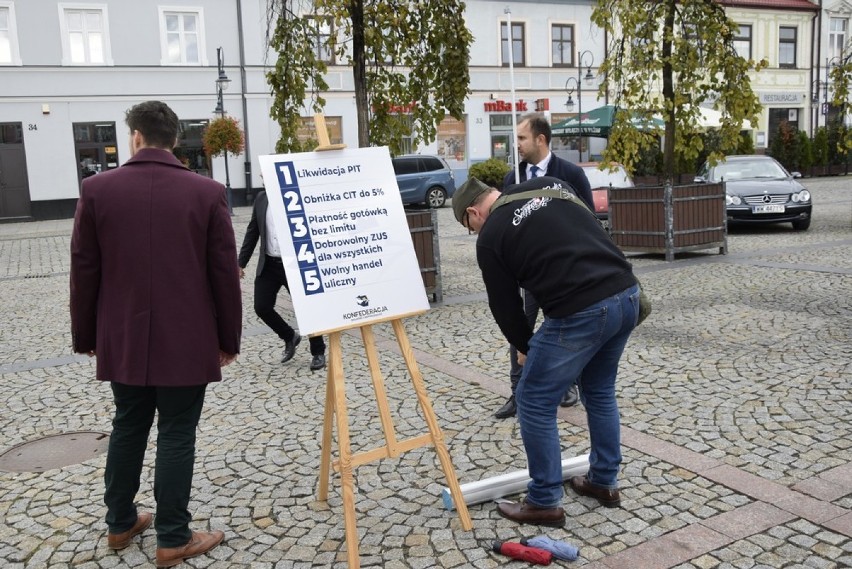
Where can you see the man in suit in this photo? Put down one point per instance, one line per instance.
(269, 279)
(155, 295)
(537, 160)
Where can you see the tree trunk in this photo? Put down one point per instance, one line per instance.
(668, 93)
(359, 71)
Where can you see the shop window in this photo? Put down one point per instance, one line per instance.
(307, 132)
(516, 42)
(452, 139)
(777, 116)
(562, 45)
(85, 34)
(96, 148)
(181, 37)
(190, 147)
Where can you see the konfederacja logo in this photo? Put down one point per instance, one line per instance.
(367, 312)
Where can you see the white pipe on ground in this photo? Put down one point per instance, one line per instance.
(509, 483)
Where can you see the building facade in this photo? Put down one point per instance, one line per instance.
(69, 70)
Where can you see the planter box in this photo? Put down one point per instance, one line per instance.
(423, 226)
(669, 219)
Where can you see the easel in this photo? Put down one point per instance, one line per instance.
(335, 405)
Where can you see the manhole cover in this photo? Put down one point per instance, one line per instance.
(54, 451)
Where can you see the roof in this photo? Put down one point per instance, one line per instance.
(805, 5)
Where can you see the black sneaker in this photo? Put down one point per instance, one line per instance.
(290, 348)
(318, 362)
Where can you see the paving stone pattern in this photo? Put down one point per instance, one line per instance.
(735, 398)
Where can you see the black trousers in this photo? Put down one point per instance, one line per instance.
(267, 285)
(178, 411)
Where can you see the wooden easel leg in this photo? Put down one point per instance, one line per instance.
(432, 423)
(379, 388)
(335, 405)
(328, 421)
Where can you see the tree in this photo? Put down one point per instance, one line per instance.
(409, 61)
(667, 58)
(806, 153)
(841, 77)
(784, 145)
(820, 147)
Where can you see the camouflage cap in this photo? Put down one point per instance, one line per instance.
(466, 195)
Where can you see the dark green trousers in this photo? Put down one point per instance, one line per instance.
(178, 410)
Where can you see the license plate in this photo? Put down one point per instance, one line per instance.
(772, 208)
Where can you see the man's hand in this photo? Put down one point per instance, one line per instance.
(521, 358)
(226, 359)
(242, 272)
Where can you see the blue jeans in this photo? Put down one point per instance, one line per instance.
(531, 309)
(584, 347)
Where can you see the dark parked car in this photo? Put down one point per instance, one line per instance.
(601, 181)
(760, 190)
(424, 179)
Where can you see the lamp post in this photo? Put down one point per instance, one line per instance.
(222, 84)
(815, 87)
(579, 87)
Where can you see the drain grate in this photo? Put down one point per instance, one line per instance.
(54, 451)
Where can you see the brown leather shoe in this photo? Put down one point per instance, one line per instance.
(200, 542)
(607, 497)
(525, 513)
(122, 540)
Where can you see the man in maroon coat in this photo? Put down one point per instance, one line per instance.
(155, 295)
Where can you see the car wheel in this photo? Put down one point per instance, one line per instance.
(436, 196)
(802, 224)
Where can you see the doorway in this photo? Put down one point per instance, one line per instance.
(96, 148)
(14, 184)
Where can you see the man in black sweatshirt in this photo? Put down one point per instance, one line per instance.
(548, 243)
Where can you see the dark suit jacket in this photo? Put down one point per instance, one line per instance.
(155, 285)
(255, 231)
(560, 169)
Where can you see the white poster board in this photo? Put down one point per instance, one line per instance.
(344, 238)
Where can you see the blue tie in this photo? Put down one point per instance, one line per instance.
(534, 171)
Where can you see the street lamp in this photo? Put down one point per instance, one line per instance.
(578, 84)
(222, 84)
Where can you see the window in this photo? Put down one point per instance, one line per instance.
(403, 166)
(190, 148)
(562, 45)
(8, 35)
(837, 36)
(181, 37)
(787, 47)
(517, 43)
(742, 41)
(321, 29)
(85, 34)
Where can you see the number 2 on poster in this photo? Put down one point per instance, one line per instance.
(299, 229)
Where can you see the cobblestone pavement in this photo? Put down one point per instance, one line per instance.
(735, 397)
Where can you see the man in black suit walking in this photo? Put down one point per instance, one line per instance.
(270, 278)
(536, 161)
